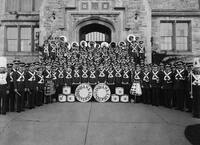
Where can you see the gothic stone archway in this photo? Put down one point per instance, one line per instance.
(95, 32)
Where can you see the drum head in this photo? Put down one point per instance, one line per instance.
(83, 93)
(101, 93)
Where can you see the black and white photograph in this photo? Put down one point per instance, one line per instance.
(99, 72)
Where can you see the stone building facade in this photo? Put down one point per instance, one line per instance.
(166, 26)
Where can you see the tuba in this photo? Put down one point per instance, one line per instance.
(83, 44)
(67, 45)
(131, 38)
(104, 44)
(63, 38)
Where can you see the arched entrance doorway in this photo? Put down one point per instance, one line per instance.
(95, 32)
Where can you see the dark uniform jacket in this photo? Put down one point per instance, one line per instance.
(180, 79)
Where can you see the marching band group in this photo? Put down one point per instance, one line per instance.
(117, 65)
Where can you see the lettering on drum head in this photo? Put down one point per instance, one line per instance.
(83, 93)
(101, 93)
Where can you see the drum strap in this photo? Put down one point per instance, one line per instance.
(196, 79)
(179, 75)
(102, 74)
(136, 76)
(76, 74)
(155, 75)
(146, 76)
(118, 73)
(134, 47)
(54, 76)
(167, 76)
(60, 75)
(68, 74)
(92, 75)
(85, 74)
(41, 81)
(126, 74)
(48, 74)
(32, 78)
(141, 48)
(21, 76)
(110, 74)
(11, 77)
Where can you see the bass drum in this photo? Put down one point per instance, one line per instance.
(101, 93)
(83, 93)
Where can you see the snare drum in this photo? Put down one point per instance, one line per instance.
(62, 98)
(119, 91)
(114, 98)
(71, 98)
(66, 90)
(124, 98)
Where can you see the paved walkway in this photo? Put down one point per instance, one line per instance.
(95, 124)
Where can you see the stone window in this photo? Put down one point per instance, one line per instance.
(12, 39)
(23, 5)
(105, 6)
(84, 6)
(21, 38)
(166, 36)
(95, 5)
(175, 35)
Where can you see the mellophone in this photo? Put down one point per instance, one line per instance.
(101, 93)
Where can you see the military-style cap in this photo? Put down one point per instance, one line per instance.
(167, 65)
(22, 64)
(16, 61)
(9, 65)
(154, 65)
(180, 63)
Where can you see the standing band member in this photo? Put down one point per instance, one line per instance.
(111, 79)
(19, 87)
(40, 86)
(11, 96)
(137, 79)
(84, 77)
(155, 83)
(180, 85)
(31, 86)
(168, 80)
(126, 79)
(4, 89)
(146, 86)
(76, 77)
